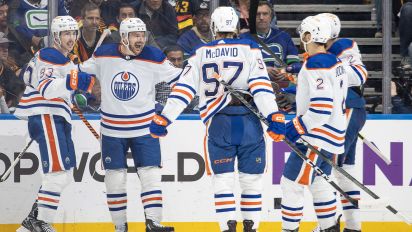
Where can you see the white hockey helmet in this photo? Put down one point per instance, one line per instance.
(334, 22)
(63, 23)
(224, 19)
(319, 30)
(129, 25)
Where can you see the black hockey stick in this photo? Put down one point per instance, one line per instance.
(291, 145)
(356, 182)
(15, 162)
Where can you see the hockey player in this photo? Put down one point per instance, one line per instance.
(50, 79)
(128, 72)
(320, 99)
(232, 131)
(348, 52)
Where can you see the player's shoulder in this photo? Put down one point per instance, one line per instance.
(321, 61)
(110, 49)
(52, 56)
(341, 45)
(150, 53)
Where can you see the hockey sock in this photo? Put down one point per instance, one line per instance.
(225, 203)
(115, 181)
(324, 201)
(151, 195)
(292, 203)
(350, 212)
(48, 197)
(251, 197)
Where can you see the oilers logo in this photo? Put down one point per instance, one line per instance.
(125, 86)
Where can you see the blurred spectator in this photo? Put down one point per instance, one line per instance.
(30, 21)
(12, 86)
(174, 53)
(278, 41)
(7, 37)
(184, 13)
(405, 34)
(200, 33)
(127, 11)
(89, 32)
(160, 19)
(4, 54)
(75, 7)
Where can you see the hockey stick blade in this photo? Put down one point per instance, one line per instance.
(375, 149)
(354, 180)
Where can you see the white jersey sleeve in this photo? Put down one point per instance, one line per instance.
(168, 73)
(49, 74)
(90, 66)
(347, 51)
(46, 91)
(183, 92)
(260, 85)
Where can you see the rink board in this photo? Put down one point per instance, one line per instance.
(188, 197)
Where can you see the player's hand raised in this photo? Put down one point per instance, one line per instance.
(158, 126)
(80, 80)
(295, 129)
(276, 128)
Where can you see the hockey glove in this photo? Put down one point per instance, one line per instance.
(158, 126)
(79, 80)
(276, 128)
(294, 129)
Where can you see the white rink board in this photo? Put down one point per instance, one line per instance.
(189, 200)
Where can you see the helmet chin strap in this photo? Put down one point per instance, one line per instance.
(127, 47)
(305, 44)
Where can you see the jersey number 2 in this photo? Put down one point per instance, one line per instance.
(215, 69)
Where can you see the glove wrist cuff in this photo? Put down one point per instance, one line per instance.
(299, 125)
(277, 117)
(161, 120)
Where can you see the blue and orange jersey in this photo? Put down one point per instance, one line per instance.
(320, 100)
(238, 62)
(45, 78)
(128, 87)
(348, 52)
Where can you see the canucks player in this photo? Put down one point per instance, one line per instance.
(232, 131)
(128, 72)
(51, 78)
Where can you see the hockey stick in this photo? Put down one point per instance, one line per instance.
(319, 171)
(18, 158)
(356, 182)
(375, 149)
(106, 32)
(84, 120)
